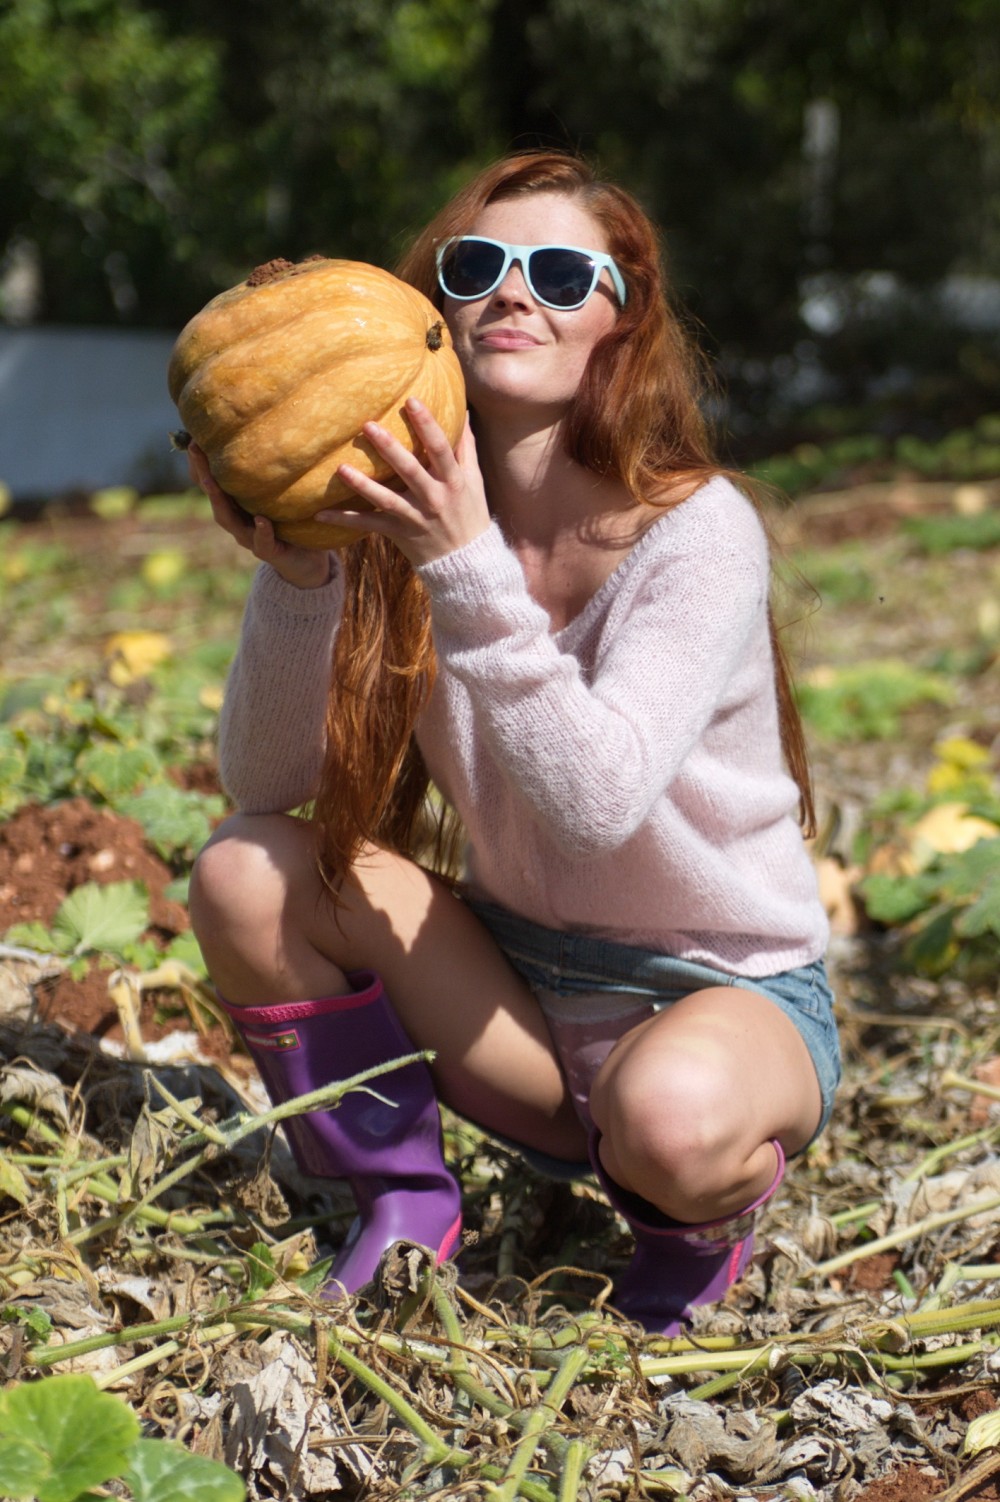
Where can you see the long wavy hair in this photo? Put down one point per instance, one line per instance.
(637, 417)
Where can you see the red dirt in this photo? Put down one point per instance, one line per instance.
(45, 853)
(911, 1484)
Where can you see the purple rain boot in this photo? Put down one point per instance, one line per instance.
(677, 1266)
(391, 1155)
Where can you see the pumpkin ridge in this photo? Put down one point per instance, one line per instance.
(238, 314)
(295, 444)
(235, 372)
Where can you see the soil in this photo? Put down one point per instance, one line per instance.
(47, 852)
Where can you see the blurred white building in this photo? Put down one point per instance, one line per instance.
(84, 408)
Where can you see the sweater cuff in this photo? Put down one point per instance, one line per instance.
(479, 579)
(271, 590)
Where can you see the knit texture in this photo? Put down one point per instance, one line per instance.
(622, 776)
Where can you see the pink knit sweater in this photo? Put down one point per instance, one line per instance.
(621, 777)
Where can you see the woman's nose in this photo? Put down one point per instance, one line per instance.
(514, 288)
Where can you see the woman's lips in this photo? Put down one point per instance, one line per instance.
(508, 339)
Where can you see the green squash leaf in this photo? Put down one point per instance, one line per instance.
(112, 771)
(175, 821)
(23, 1468)
(101, 918)
(79, 1438)
(162, 1471)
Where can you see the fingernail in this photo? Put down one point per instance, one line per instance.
(415, 404)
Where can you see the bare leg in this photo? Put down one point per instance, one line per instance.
(689, 1102)
(270, 932)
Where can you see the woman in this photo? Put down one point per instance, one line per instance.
(632, 969)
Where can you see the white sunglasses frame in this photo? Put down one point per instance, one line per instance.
(522, 255)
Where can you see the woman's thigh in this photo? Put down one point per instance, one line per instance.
(449, 982)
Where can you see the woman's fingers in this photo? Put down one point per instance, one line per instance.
(306, 568)
(433, 438)
(230, 516)
(443, 505)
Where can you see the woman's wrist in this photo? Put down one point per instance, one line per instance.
(311, 572)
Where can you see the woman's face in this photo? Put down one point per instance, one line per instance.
(514, 349)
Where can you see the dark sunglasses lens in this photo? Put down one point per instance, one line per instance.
(471, 267)
(564, 278)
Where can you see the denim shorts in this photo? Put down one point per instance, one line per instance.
(551, 960)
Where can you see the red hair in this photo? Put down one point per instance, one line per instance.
(637, 418)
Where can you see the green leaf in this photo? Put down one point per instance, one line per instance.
(186, 950)
(983, 917)
(113, 771)
(897, 899)
(175, 821)
(142, 954)
(13, 766)
(32, 935)
(95, 917)
(80, 1434)
(943, 534)
(932, 948)
(160, 1470)
(261, 1273)
(13, 1184)
(313, 1278)
(23, 1468)
(970, 872)
(34, 1319)
(867, 700)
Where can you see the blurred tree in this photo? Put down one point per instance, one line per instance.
(817, 171)
(348, 112)
(155, 150)
(101, 122)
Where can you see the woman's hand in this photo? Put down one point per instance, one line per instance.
(305, 568)
(444, 504)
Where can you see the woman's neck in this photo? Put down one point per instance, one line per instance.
(537, 492)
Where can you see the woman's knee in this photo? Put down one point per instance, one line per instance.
(247, 869)
(669, 1119)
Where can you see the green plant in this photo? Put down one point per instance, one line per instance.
(107, 920)
(949, 911)
(60, 1437)
(93, 740)
(944, 534)
(867, 700)
(840, 576)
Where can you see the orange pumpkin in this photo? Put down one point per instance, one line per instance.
(274, 378)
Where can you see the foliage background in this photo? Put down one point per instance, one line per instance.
(828, 181)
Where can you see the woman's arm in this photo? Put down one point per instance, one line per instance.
(272, 728)
(273, 721)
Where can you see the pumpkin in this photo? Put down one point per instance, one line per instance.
(275, 377)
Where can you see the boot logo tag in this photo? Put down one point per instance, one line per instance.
(276, 1042)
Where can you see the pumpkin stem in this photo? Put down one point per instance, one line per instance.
(434, 339)
(270, 271)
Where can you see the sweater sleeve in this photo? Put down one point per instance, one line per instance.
(591, 755)
(272, 726)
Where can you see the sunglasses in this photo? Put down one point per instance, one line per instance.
(559, 276)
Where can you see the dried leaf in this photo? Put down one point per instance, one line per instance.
(983, 1433)
(23, 1085)
(148, 1151)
